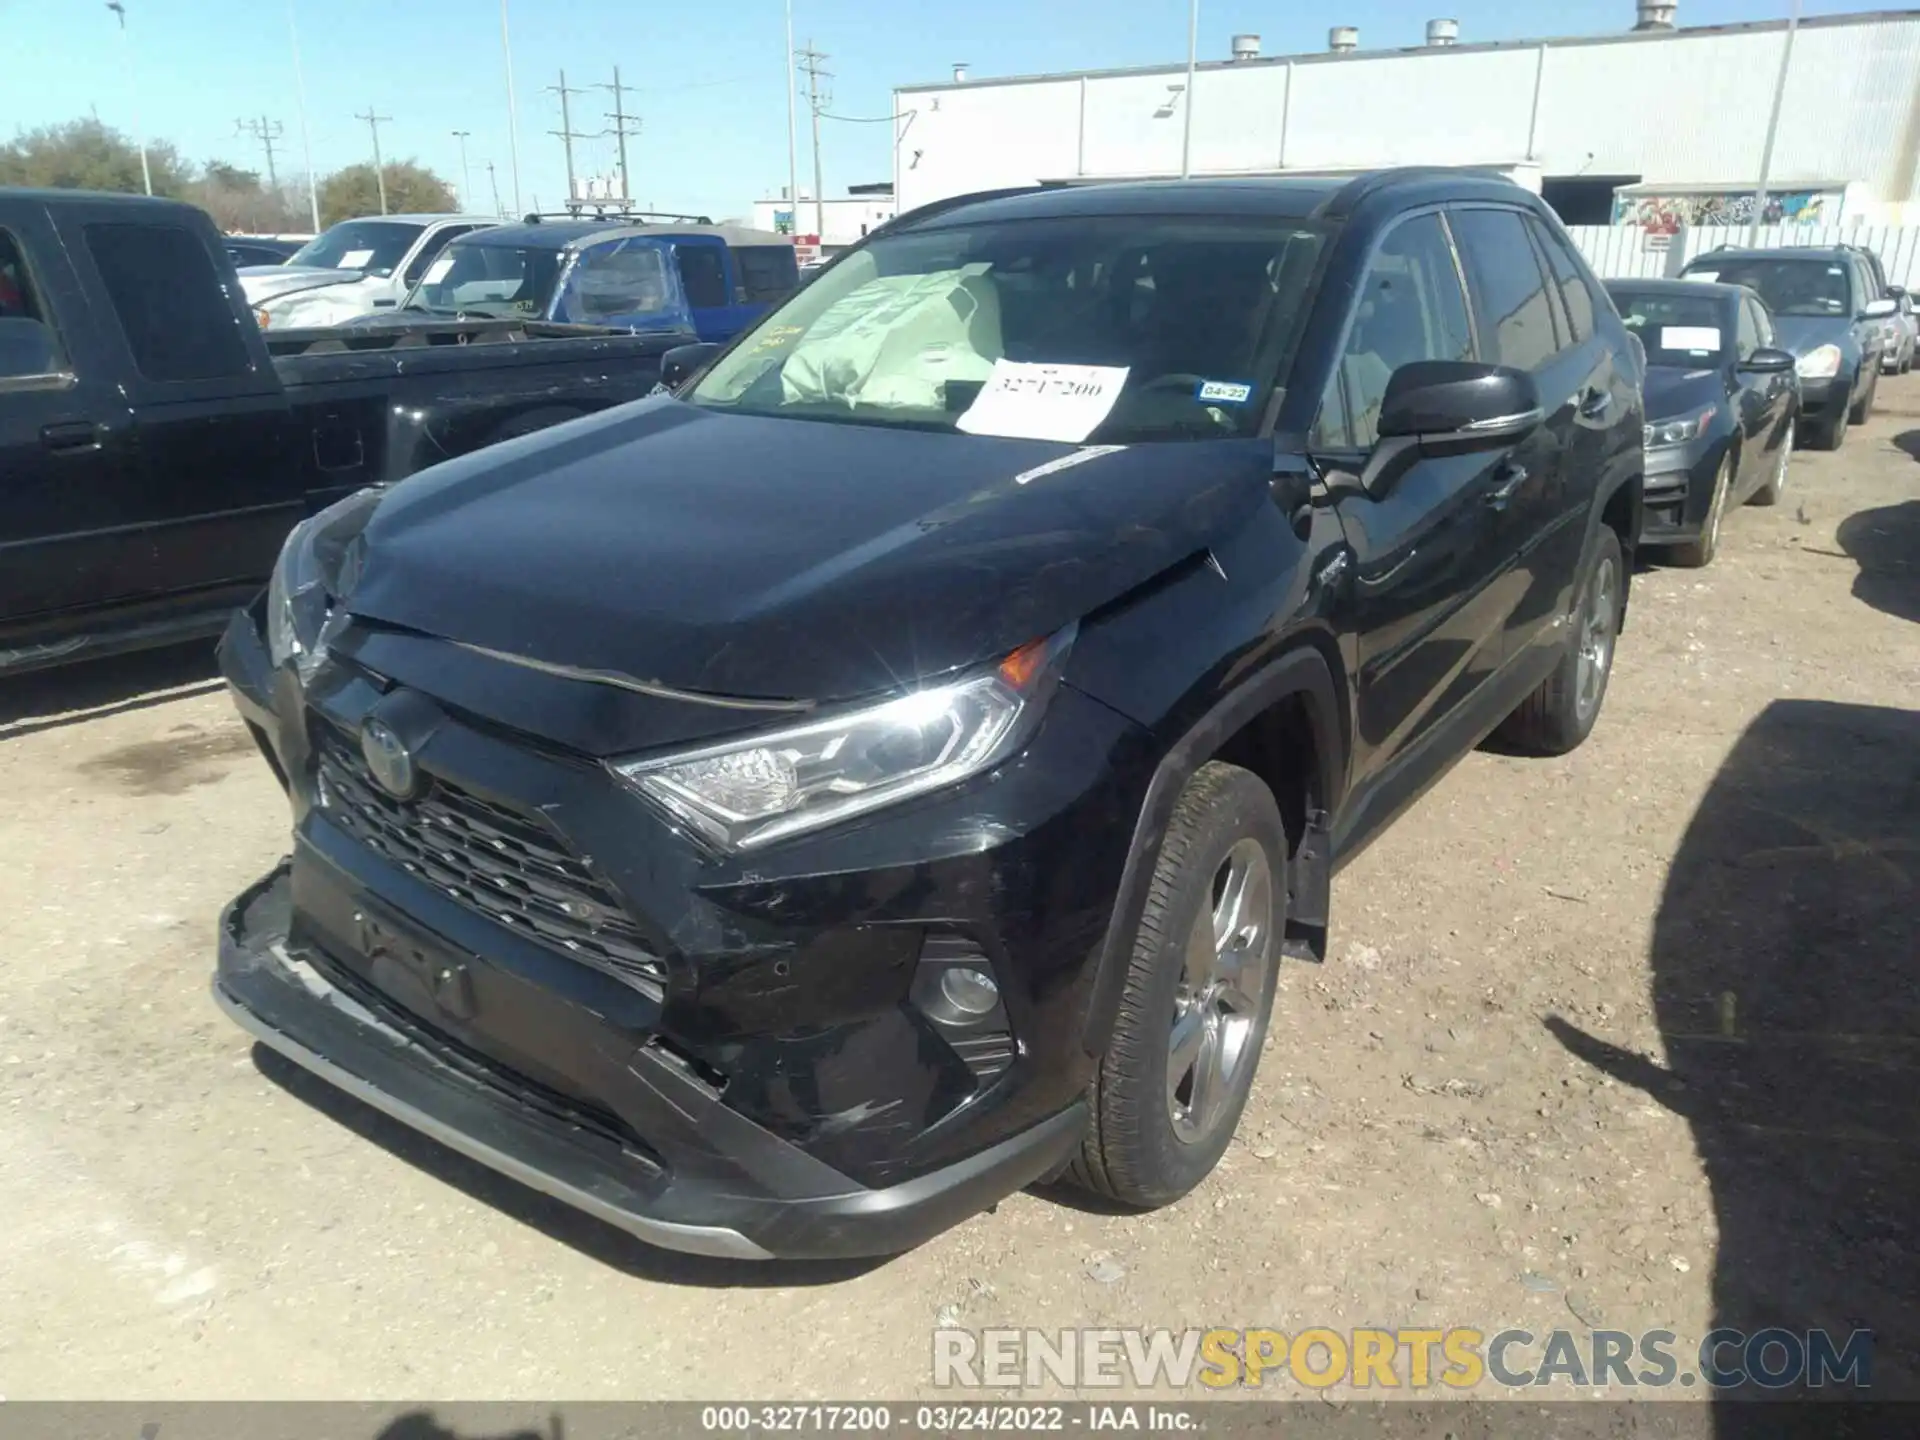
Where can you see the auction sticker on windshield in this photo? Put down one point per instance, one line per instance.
(1689, 337)
(437, 271)
(1025, 401)
(355, 260)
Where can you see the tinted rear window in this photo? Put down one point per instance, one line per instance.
(767, 272)
(1686, 330)
(170, 302)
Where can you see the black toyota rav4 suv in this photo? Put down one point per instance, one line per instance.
(783, 816)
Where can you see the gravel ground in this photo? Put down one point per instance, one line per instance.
(1624, 1039)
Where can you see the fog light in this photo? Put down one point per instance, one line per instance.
(971, 992)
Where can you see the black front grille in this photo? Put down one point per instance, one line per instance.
(504, 864)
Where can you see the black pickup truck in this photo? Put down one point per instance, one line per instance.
(156, 448)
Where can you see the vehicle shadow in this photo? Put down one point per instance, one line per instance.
(424, 1425)
(558, 1221)
(1785, 958)
(90, 689)
(1885, 544)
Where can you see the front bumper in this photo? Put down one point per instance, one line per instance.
(1677, 491)
(774, 1084)
(1823, 402)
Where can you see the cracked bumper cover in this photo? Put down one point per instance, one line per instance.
(745, 1194)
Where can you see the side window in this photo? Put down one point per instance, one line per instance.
(767, 272)
(1747, 337)
(621, 279)
(439, 241)
(28, 345)
(703, 274)
(1509, 292)
(1762, 322)
(169, 300)
(1575, 298)
(1410, 308)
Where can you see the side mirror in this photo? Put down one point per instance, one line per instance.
(1449, 406)
(26, 348)
(1768, 361)
(1880, 309)
(678, 365)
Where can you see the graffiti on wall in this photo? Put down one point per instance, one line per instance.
(1664, 214)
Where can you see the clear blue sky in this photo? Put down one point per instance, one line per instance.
(708, 83)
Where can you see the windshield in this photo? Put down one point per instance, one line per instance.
(498, 281)
(1685, 330)
(373, 247)
(1108, 328)
(1790, 287)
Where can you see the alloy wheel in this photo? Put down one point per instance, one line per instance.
(1216, 1013)
(1596, 635)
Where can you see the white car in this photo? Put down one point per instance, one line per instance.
(355, 268)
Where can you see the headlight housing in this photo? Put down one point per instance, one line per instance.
(1821, 363)
(1678, 431)
(319, 564)
(766, 787)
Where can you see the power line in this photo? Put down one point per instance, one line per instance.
(374, 122)
(620, 122)
(566, 131)
(811, 61)
(266, 132)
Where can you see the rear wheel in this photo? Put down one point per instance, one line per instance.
(1701, 552)
(1776, 486)
(1198, 995)
(1560, 714)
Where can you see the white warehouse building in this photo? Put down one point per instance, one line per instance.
(1654, 125)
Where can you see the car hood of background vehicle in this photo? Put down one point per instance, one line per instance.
(1676, 390)
(790, 559)
(269, 282)
(1805, 333)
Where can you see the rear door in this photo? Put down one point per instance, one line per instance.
(215, 491)
(708, 280)
(69, 470)
(628, 283)
(1540, 321)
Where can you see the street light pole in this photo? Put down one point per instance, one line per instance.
(513, 110)
(793, 162)
(1773, 126)
(1186, 110)
(466, 175)
(306, 139)
(126, 48)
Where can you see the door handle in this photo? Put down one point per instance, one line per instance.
(1512, 477)
(73, 437)
(1597, 404)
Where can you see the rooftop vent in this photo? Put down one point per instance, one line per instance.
(1342, 38)
(960, 73)
(1246, 47)
(1442, 33)
(1654, 15)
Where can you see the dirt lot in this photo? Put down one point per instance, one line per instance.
(1627, 1039)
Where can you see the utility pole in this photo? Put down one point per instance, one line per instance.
(811, 61)
(566, 133)
(306, 141)
(621, 120)
(139, 135)
(1773, 126)
(266, 132)
(513, 110)
(466, 175)
(793, 168)
(379, 170)
(494, 182)
(1186, 105)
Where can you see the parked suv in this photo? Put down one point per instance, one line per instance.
(786, 815)
(1828, 311)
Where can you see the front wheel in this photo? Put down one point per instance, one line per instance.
(1559, 715)
(1701, 552)
(1776, 486)
(1864, 406)
(1198, 995)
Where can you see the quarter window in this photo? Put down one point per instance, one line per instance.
(1509, 292)
(171, 305)
(1576, 298)
(703, 275)
(767, 272)
(1410, 308)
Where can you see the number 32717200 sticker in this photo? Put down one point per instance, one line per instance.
(1024, 401)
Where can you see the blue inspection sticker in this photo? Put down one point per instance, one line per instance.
(1223, 392)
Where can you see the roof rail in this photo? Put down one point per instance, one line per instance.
(1348, 197)
(588, 210)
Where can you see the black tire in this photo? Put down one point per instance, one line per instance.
(1559, 715)
(1863, 407)
(1135, 1152)
(1776, 483)
(1698, 553)
(1832, 435)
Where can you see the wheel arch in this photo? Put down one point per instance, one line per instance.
(1290, 699)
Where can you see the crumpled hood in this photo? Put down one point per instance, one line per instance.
(754, 557)
(260, 283)
(1804, 333)
(1673, 390)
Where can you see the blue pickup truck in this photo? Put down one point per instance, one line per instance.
(707, 282)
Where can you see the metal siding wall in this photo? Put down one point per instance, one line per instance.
(1133, 125)
(1619, 251)
(1236, 118)
(1436, 109)
(981, 138)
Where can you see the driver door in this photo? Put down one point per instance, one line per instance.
(1426, 608)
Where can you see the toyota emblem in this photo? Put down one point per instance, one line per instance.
(389, 760)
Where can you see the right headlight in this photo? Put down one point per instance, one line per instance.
(1822, 363)
(319, 564)
(769, 786)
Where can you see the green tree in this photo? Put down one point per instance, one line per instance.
(350, 193)
(87, 155)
